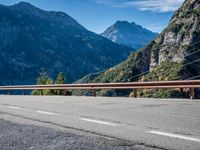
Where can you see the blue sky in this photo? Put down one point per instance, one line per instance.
(97, 15)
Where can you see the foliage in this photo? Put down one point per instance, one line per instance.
(166, 71)
(175, 28)
(162, 93)
(61, 79)
(45, 79)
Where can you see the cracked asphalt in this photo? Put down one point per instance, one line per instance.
(14, 136)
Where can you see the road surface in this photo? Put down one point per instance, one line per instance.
(42, 122)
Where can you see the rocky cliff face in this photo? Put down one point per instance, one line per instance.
(180, 41)
(129, 34)
(31, 39)
(181, 37)
(173, 55)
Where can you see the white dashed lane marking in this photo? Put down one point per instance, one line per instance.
(98, 121)
(15, 107)
(175, 136)
(45, 112)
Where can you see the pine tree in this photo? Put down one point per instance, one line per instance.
(43, 79)
(49, 92)
(61, 78)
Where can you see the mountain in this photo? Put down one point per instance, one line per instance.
(173, 55)
(31, 39)
(129, 34)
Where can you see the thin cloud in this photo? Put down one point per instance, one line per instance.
(112, 3)
(156, 5)
(145, 5)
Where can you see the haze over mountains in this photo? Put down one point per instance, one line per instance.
(173, 55)
(31, 39)
(129, 34)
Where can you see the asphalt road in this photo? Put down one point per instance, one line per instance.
(28, 122)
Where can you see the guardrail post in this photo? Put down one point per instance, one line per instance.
(65, 92)
(94, 93)
(135, 93)
(181, 91)
(192, 93)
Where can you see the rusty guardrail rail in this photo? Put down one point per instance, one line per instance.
(191, 84)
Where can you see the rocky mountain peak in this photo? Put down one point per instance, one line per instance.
(25, 6)
(51, 16)
(119, 22)
(129, 34)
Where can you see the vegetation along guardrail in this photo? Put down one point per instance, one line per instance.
(191, 84)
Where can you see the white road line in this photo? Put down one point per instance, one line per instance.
(99, 121)
(175, 136)
(14, 107)
(45, 112)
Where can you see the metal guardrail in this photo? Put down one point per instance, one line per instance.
(191, 84)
